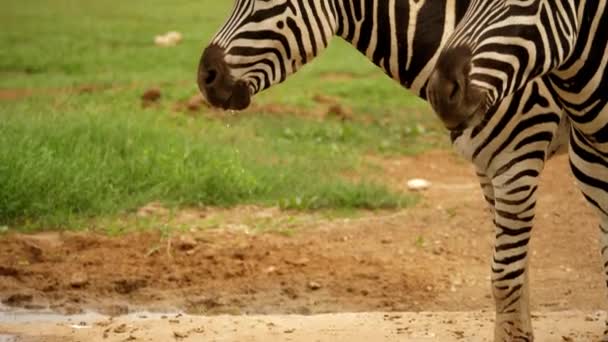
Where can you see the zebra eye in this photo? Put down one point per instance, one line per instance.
(280, 24)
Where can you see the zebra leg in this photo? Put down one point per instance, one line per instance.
(604, 249)
(487, 188)
(515, 202)
(590, 168)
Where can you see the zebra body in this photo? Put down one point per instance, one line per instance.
(504, 45)
(264, 41)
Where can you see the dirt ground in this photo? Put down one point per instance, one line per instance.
(346, 327)
(433, 257)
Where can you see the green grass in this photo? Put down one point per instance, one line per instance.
(67, 155)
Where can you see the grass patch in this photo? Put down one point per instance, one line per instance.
(56, 166)
(67, 156)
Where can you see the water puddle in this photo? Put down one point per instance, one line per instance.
(78, 321)
(23, 316)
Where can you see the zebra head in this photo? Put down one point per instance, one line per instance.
(497, 48)
(261, 43)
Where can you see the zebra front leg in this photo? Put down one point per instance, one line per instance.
(514, 212)
(604, 249)
(487, 188)
(589, 167)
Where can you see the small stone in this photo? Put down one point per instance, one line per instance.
(186, 243)
(174, 37)
(168, 39)
(299, 262)
(313, 285)
(418, 184)
(180, 335)
(270, 269)
(79, 280)
(459, 334)
(438, 250)
(120, 329)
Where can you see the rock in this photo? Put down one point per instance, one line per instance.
(180, 335)
(590, 318)
(79, 280)
(174, 37)
(186, 243)
(121, 329)
(192, 251)
(438, 250)
(270, 269)
(418, 184)
(298, 262)
(313, 285)
(168, 39)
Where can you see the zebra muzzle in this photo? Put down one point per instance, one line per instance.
(217, 84)
(457, 103)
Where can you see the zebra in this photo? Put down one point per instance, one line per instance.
(264, 41)
(501, 46)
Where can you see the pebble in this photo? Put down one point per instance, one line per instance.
(313, 285)
(186, 243)
(170, 38)
(418, 184)
(79, 280)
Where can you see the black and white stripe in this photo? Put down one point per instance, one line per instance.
(265, 41)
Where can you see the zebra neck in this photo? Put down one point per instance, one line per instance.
(402, 37)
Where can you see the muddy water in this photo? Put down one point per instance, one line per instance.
(10, 315)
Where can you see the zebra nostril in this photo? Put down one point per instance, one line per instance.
(455, 92)
(211, 77)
